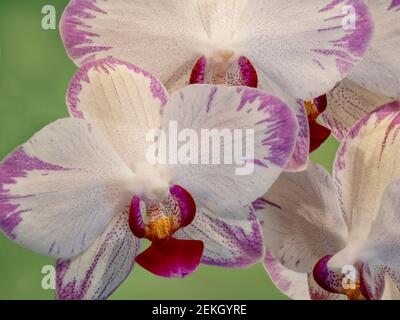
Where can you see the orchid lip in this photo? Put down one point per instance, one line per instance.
(166, 256)
(176, 211)
(345, 280)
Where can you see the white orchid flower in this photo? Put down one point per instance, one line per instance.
(81, 191)
(338, 237)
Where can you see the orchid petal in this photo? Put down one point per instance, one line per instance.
(96, 273)
(226, 186)
(302, 48)
(366, 163)
(293, 284)
(120, 100)
(227, 242)
(300, 156)
(59, 191)
(317, 293)
(382, 256)
(348, 102)
(380, 68)
(302, 221)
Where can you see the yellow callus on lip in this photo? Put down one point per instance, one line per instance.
(355, 294)
(161, 227)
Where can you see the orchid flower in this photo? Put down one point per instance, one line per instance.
(294, 50)
(82, 191)
(376, 80)
(338, 237)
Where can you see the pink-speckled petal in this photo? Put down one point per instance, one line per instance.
(326, 278)
(382, 254)
(304, 49)
(366, 163)
(317, 293)
(99, 271)
(226, 188)
(293, 284)
(162, 38)
(306, 56)
(348, 102)
(372, 281)
(301, 218)
(121, 100)
(59, 190)
(227, 242)
(380, 68)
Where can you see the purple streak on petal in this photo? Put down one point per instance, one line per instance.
(251, 245)
(281, 125)
(107, 64)
(381, 114)
(77, 42)
(73, 291)
(354, 43)
(211, 98)
(261, 204)
(301, 150)
(395, 5)
(275, 270)
(17, 165)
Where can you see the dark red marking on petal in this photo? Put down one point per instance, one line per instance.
(248, 72)
(136, 223)
(171, 257)
(198, 71)
(325, 278)
(321, 103)
(187, 206)
(318, 135)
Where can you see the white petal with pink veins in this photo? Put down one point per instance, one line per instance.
(97, 272)
(220, 186)
(301, 47)
(120, 100)
(366, 163)
(59, 190)
(380, 68)
(293, 284)
(301, 220)
(348, 102)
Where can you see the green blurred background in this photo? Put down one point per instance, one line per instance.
(34, 75)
